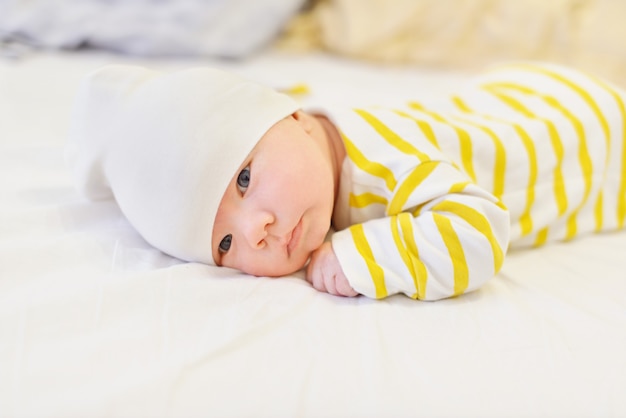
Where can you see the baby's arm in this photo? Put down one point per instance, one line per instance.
(448, 244)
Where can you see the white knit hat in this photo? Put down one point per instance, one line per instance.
(165, 146)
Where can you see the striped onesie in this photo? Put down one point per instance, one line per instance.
(433, 194)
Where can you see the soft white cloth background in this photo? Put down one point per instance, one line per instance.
(94, 322)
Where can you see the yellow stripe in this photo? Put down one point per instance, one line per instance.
(416, 105)
(455, 251)
(376, 272)
(401, 248)
(479, 222)
(464, 139)
(391, 137)
(408, 186)
(598, 211)
(560, 193)
(583, 158)
(424, 126)
(458, 187)
(418, 210)
(371, 167)
(526, 221)
(499, 158)
(299, 89)
(409, 253)
(466, 151)
(571, 227)
(541, 237)
(461, 104)
(501, 205)
(365, 199)
(621, 196)
(421, 274)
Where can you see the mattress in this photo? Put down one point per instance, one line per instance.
(94, 322)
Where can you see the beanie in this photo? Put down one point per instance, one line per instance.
(166, 145)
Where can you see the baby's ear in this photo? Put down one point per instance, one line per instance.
(306, 120)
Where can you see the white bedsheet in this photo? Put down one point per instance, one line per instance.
(94, 322)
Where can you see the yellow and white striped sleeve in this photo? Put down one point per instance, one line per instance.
(425, 215)
(442, 236)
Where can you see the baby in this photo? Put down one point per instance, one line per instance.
(424, 199)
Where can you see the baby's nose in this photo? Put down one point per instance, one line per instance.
(256, 228)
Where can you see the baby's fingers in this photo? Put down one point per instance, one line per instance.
(314, 276)
(329, 284)
(343, 286)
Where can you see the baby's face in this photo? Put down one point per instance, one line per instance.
(277, 208)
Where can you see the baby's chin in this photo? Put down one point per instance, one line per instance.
(278, 269)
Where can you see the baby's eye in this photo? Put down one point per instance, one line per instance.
(225, 244)
(243, 179)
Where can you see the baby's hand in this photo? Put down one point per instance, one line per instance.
(325, 273)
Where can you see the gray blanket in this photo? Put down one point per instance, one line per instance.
(223, 28)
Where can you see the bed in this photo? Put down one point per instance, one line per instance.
(95, 322)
